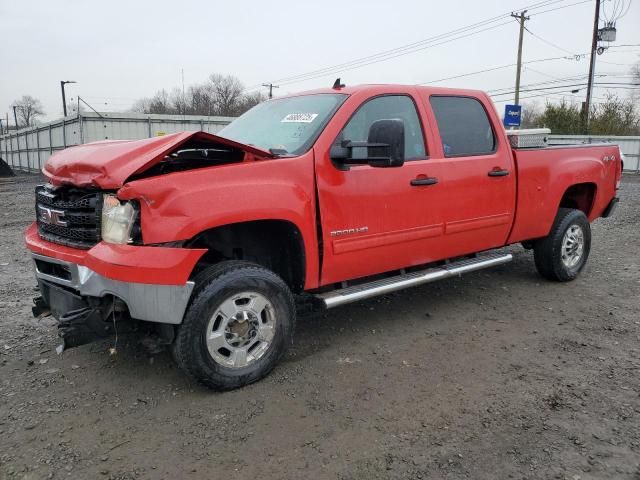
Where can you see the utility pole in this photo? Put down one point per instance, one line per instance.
(15, 116)
(592, 69)
(64, 100)
(521, 18)
(270, 86)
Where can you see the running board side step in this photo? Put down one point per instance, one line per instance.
(363, 291)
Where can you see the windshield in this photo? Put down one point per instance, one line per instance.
(286, 125)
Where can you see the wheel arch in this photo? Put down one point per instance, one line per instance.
(580, 196)
(272, 243)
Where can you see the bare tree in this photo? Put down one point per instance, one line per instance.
(250, 100)
(142, 105)
(227, 91)
(178, 101)
(219, 95)
(200, 98)
(28, 109)
(159, 103)
(530, 115)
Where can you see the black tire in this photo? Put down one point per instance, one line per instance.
(548, 251)
(214, 286)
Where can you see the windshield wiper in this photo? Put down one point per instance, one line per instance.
(278, 151)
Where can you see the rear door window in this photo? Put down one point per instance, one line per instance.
(464, 126)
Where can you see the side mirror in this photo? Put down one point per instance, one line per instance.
(389, 132)
(384, 147)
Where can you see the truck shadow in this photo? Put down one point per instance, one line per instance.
(394, 313)
(420, 308)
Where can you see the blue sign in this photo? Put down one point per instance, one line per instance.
(512, 115)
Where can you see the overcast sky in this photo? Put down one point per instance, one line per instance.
(119, 51)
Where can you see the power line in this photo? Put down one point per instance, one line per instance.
(565, 79)
(557, 80)
(405, 49)
(539, 60)
(490, 70)
(604, 85)
(560, 80)
(546, 94)
(631, 86)
(477, 72)
(574, 57)
(614, 63)
(548, 42)
(618, 11)
(573, 53)
(625, 45)
(541, 73)
(565, 6)
(389, 57)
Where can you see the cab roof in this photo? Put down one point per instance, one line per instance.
(374, 89)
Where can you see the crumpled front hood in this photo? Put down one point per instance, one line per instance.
(108, 164)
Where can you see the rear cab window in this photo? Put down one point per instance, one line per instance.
(465, 128)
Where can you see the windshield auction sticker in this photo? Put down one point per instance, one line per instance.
(299, 118)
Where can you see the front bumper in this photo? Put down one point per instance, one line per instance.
(153, 281)
(150, 302)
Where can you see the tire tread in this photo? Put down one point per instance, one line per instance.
(208, 282)
(548, 251)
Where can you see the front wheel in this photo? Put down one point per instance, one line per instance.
(238, 326)
(563, 253)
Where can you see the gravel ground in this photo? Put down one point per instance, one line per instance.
(498, 374)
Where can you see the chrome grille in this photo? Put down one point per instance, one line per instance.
(69, 216)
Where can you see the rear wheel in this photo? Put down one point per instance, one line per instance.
(563, 253)
(238, 326)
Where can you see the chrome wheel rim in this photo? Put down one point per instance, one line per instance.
(572, 246)
(241, 330)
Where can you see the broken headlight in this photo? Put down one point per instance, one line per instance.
(118, 219)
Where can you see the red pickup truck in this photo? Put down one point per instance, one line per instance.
(338, 194)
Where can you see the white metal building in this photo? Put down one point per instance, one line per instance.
(29, 148)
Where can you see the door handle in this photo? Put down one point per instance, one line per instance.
(417, 182)
(497, 172)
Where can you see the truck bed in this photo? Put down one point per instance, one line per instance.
(544, 173)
